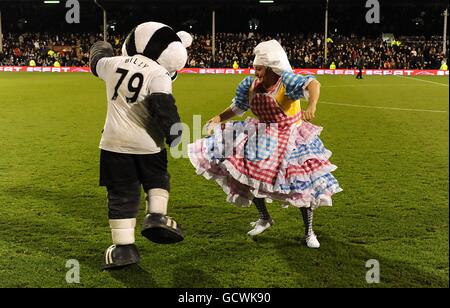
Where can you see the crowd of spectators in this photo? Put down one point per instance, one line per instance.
(304, 51)
(308, 51)
(47, 49)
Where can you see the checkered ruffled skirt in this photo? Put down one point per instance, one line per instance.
(253, 159)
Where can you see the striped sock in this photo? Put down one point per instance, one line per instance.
(262, 209)
(307, 214)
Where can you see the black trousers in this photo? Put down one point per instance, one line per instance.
(123, 175)
(148, 169)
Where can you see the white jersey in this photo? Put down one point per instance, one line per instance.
(128, 126)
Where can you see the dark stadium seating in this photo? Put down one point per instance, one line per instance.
(303, 51)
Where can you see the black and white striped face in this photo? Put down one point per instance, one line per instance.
(160, 43)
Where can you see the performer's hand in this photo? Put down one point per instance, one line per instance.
(211, 124)
(309, 113)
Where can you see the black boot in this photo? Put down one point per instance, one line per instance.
(119, 256)
(161, 229)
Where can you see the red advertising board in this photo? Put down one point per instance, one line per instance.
(240, 71)
(315, 71)
(45, 69)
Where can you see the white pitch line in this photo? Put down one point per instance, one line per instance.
(369, 85)
(418, 79)
(377, 107)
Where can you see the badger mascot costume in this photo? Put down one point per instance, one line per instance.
(141, 113)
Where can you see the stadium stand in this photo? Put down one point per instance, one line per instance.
(303, 51)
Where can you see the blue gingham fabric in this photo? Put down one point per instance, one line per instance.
(315, 147)
(322, 183)
(242, 92)
(295, 84)
(259, 145)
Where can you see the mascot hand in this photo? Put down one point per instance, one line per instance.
(98, 51)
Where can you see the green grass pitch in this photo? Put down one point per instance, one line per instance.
(389, 138)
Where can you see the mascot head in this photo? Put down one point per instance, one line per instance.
(160, 43)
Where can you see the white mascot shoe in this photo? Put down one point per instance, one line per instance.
(260, 226)
(311, 241)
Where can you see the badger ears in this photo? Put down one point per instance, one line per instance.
(186, 38)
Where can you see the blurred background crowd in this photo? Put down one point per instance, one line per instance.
(236, 49)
